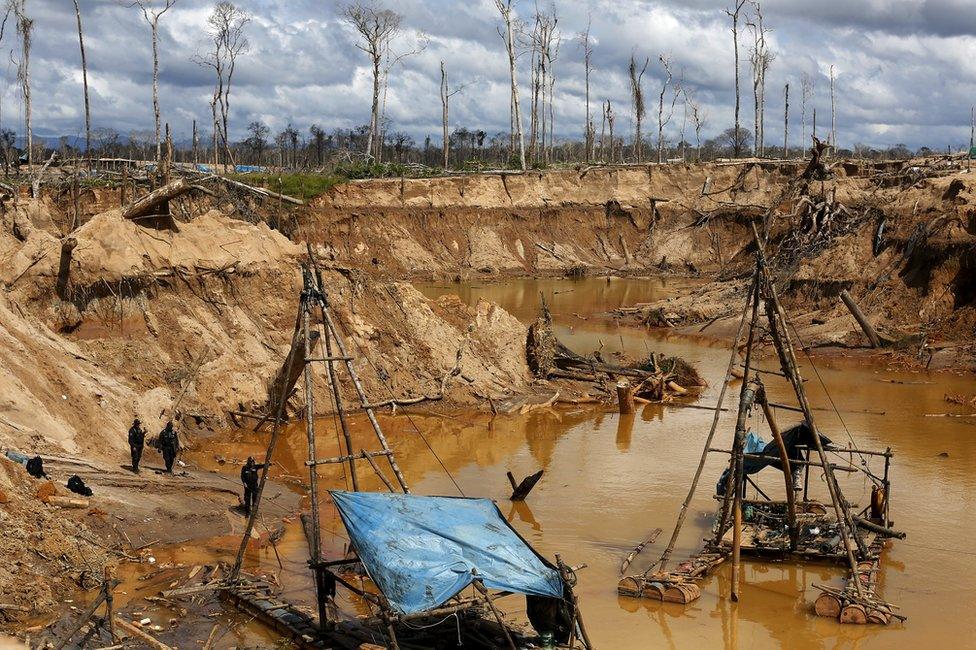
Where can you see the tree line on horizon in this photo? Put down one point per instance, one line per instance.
(677, 119)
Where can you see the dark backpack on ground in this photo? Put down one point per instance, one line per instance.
(76, 485)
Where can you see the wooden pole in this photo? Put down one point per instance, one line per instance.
(337, 398)
(272, 443)
(665, 556)
(498, 617)
(784, 459)
(861, 319)
(313, 471)
(784, 346)
(109, 598)
(746, 397)
(330, 327)
(625, 397)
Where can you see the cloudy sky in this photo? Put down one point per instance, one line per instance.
(905, 69)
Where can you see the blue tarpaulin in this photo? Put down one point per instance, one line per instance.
(422, 550)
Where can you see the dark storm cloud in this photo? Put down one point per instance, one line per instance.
(904, 69)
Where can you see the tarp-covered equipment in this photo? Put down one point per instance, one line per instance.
(420, 551)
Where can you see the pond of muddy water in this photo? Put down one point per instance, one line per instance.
(611, 479)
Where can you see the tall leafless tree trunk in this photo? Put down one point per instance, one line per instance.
(603, 132)
(610, 119)
(662, 119)
(734, 14)
(699, 117)
(446, 94)
(25, 27)
(376, 27)
(505, 9)
(833, 114)
(391, 59)
(786, 122)
(84, 79)
(761, 58)
(226, 25)
(152, 16)
(806, 94)
(637, 101)
(589, 132)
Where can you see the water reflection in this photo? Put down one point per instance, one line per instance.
(610, 480)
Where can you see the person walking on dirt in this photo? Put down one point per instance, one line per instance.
(137, 440)
(249, 477)
(169, 445)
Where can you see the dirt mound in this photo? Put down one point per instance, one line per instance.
(48, 552)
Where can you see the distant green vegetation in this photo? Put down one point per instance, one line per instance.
(307, 185)
(299, 185)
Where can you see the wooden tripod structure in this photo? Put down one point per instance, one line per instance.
(315, 323)
(314, 305)
(861, 549)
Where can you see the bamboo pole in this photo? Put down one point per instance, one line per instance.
(498, 617)
(330, 325)
(746, 397)
(784, 345)
(272, 443)
(337, 397)
(313, 472)
(663, 562)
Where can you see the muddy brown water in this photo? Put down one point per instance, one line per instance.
(611, 479)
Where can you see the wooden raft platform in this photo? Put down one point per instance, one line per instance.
(678, 586)
(257, 598)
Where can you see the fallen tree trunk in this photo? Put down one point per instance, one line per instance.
(148, 204)
(260, 191)
(861, 319)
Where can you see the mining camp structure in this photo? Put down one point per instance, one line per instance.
(406, 550)
(795, 527)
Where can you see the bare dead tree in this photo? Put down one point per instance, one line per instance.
(84, 80)
(391, 60)
(610, 119)
(734, 15)
(25, 29)
(551, 54)
(806, 94)
(446, 93)
(589, 132)
(663, 118)
(505, 9)
(225, 25)
(786, 122)
(833, 114)
(761, 58)
(543, 44)
(637, 101)
(376, 27)
(603, 131)
(152, 14)
(698, 116)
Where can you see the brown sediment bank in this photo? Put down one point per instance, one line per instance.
(128, 317)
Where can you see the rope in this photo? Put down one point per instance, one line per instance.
(816, 371)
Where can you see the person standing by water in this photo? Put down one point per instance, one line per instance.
(169, 445)
(137, 440)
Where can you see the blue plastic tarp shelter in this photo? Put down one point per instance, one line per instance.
(420, 550)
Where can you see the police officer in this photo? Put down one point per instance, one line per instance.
(249, 477)
(137, 440)
(169, 445)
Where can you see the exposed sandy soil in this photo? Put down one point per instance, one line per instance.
(119, 319)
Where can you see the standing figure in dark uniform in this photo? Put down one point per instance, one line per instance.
(249, 477)
(169, 445)
(137, 439)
